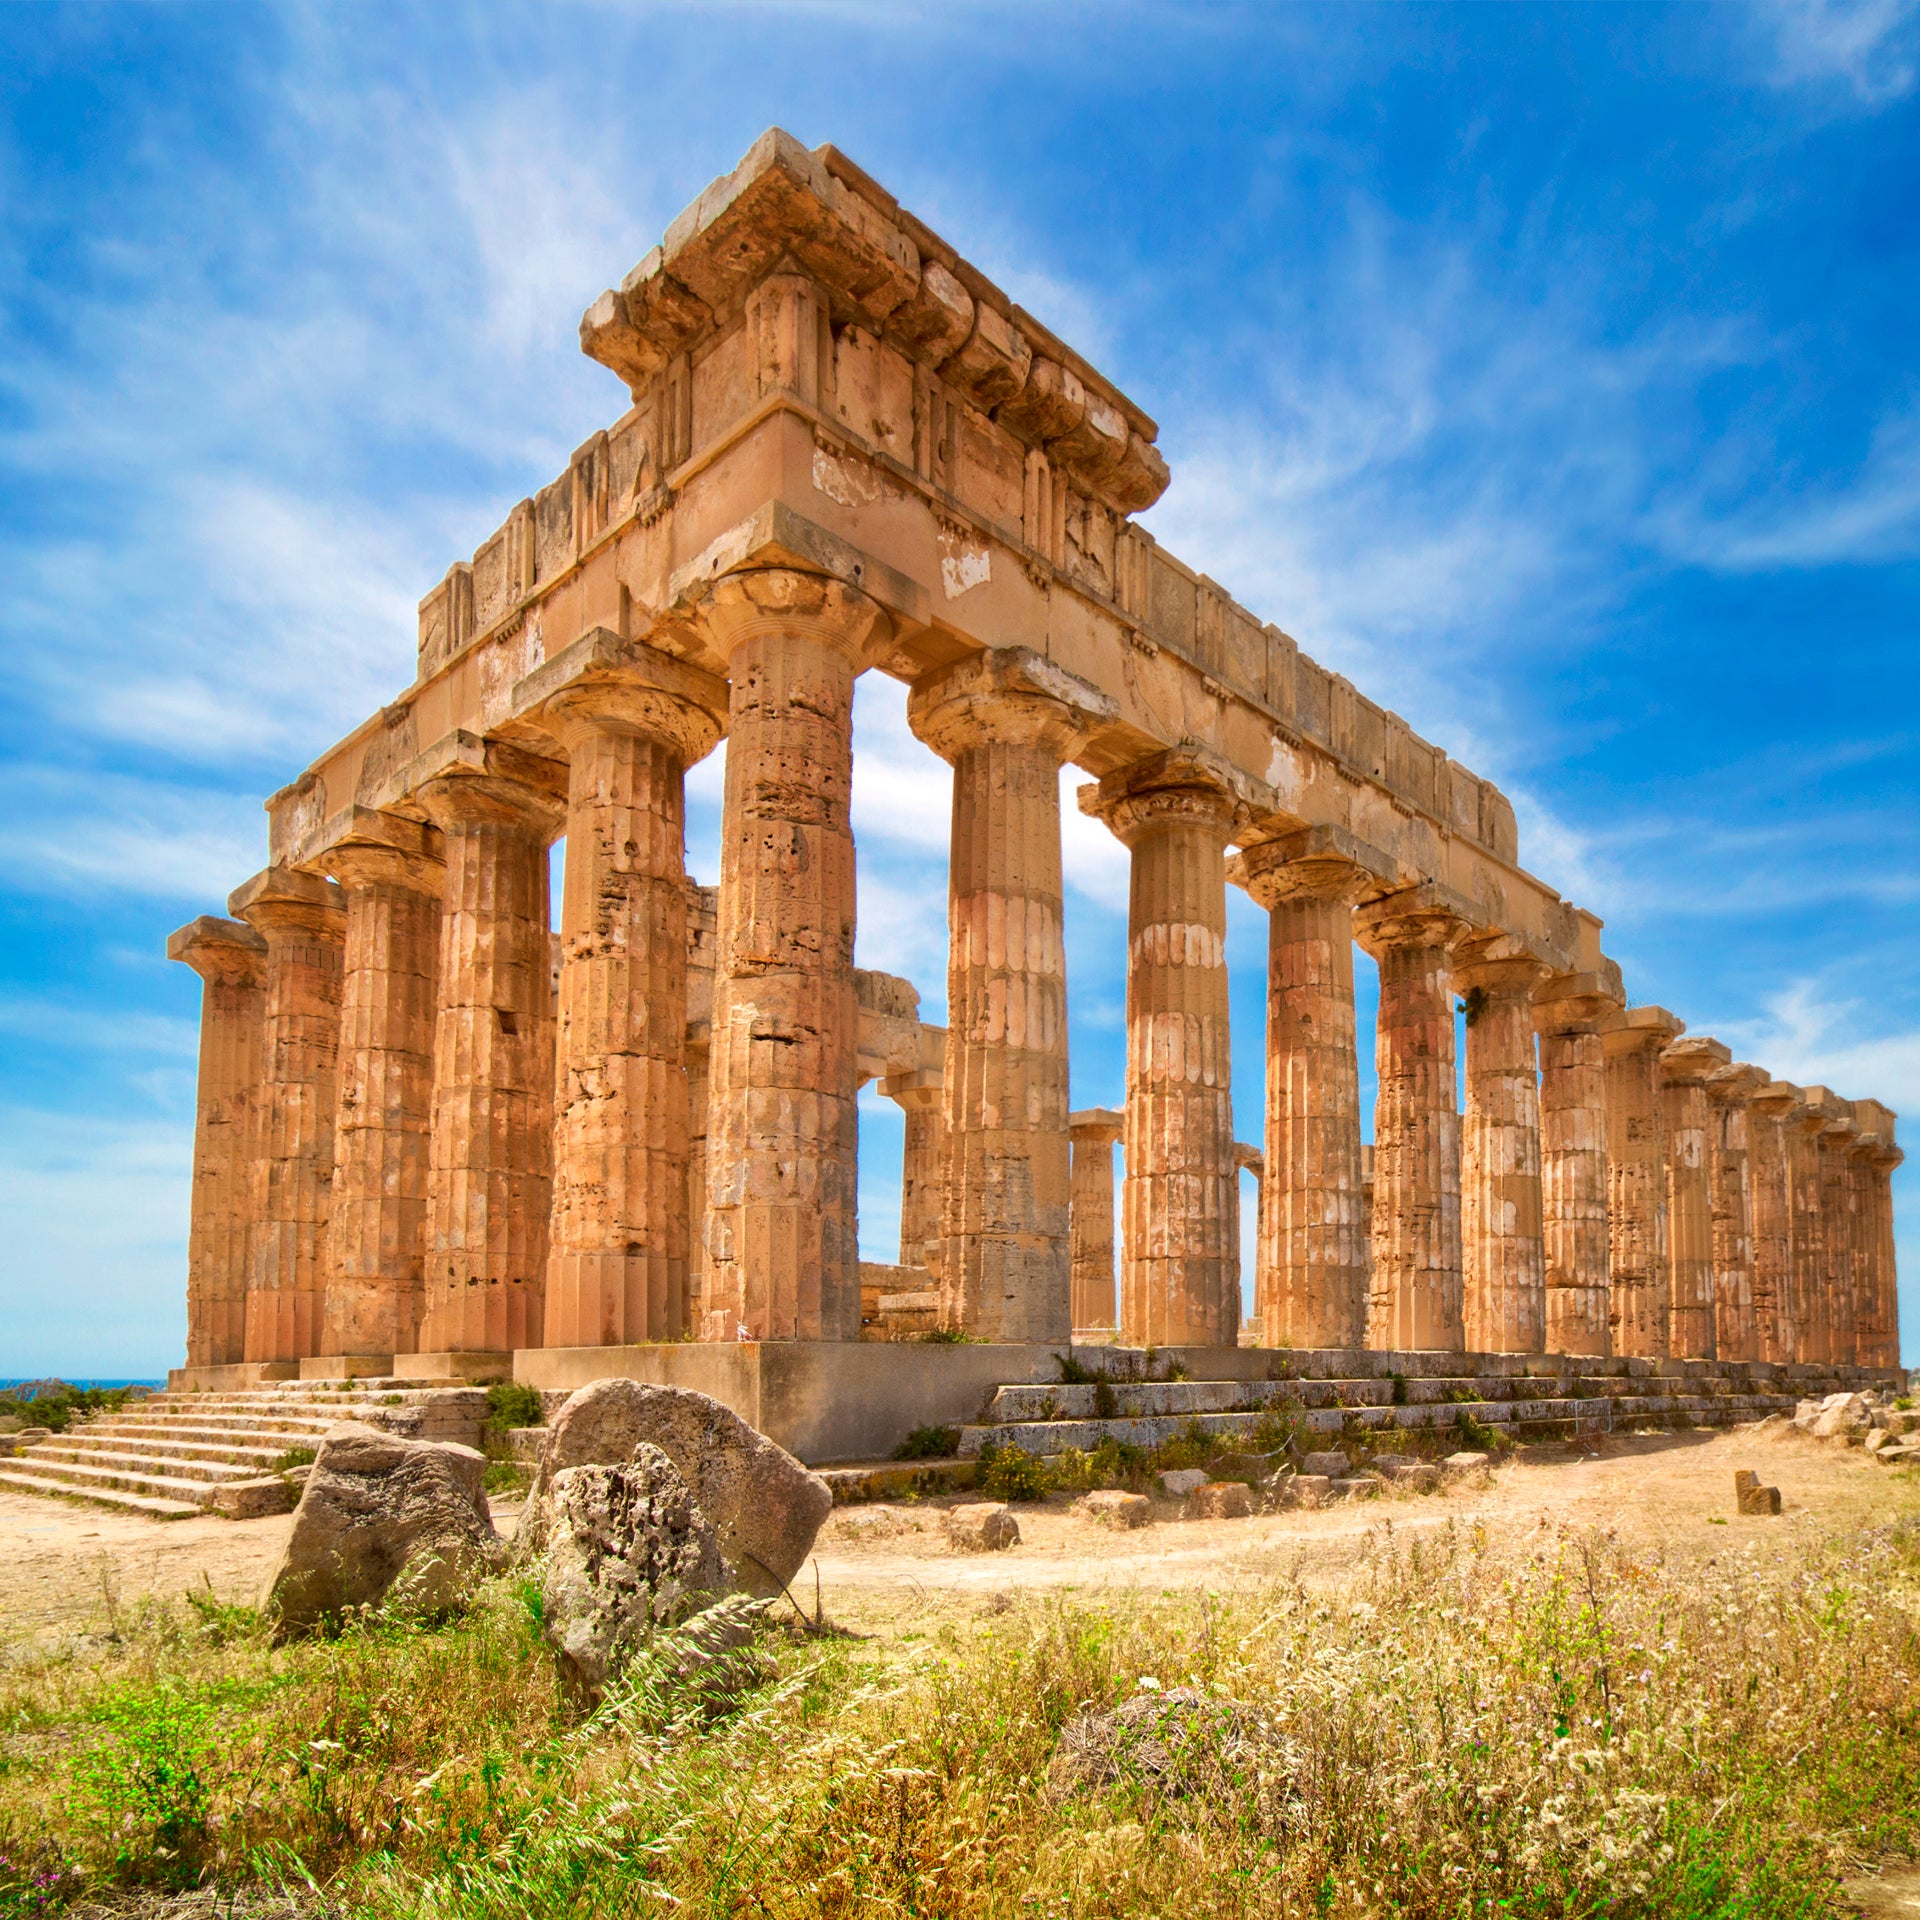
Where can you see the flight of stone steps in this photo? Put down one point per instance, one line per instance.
(164, 1456)
(1350, 1396)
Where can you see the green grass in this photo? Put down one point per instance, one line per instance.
(929, 1443)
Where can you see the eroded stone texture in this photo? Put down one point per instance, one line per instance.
(1833, 1150)
(1880, 1159)
(1639, 1283)
(1417, 1295)
(782, 1136)
(1812, 1318)
(1095, 1132)
(1683, 1069)
(303, 920)
(491, 1172)
(231, 960)
(1501, 1230)
(1179, 1276)
(1730, 1091)
(1568, 1012)
(1312, 1289)
(392, 875)
(617, 1265)
(1770, 1111)
(920, 1093)
(1006, 722)
(703, 924)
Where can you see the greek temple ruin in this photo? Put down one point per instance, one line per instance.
(436, 1138)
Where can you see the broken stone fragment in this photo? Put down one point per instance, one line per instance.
(1178, 1482)
(1750, 1497)
(251, 1499)
(1456, 1465)
(1355, 1486)
(982, 1526)
(1843, 1416)
(1113, 1509)
(1333, 1463)
(1220, 1500)
(1307, 1490)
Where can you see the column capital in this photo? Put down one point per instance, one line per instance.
(464, 781)
(1569, 1003)
(1639, 1030)
(1426, 915)
(1884, 1157)
(282, 898)
(1184, 786)
(226, 951)
(1778, 1100)
(1096, 1126)
(1874, 1117)
(372, 848)
(1687, 1062)
(1498, 963)
(759, 602)
(1735, 1085)
(1009, 695)
(1324, 863)
(603, 683)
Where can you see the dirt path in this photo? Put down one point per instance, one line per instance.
(62, 1564)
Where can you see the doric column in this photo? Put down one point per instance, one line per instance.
(1813, 1322)
(1179, 1277)
(391, 873)
(1684, 1067)
(1880, 1159)
(490, 1181)
(1770, 1219)
(703, 922)
(1501, 1231)
(632, 721)
(782, 1136)
(1312, 1286)
(1638, 1285)
(1861, 1235)
(921, 1096)
(303, 920)
(1096, 1131)
(231, 960)
(1417, 1300)
(1006, 722)
(1730, 1090)
(1250, 1159)
(1834, 1147)
(1568, 1011)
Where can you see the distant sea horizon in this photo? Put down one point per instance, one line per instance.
(74, 1380)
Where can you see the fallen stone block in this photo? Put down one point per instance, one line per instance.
(1220, 1500)
(250, 1499)
(1417, 1476)
(1307, 1490)
(1178, 1482)
(1332, 1463)
(1750, 1497)
(1843, 1416)
(875, 1523)
(1113, 1509)
(1903, 1453)
(982, 1526)
(382, 1518)
(525, 1443)
(1902, 1423)
(1457, 1465)
(1356, 1486)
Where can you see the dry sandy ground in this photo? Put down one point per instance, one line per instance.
(63, 1565)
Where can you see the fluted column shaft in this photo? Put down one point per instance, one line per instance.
(1881, 1162)
(1835, 1147)
(231, 960)
(1005, 1269)
(922, 1170)
(1638, 1281)
(1501, 1226)
(1095, 1133)
(1179, 1276)
(1860, 1238)
(618, 1264)
(1568, 1012)
(1812, 1319)
(1729, 1134)
(304, 923)
(1770, 1220)
(490, 1178)
(1312, 1246)
(1684, 1112)
(783, 1136)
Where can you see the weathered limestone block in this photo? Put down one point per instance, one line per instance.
(1771, 1112)
(1568, 1012)
(920, 1093)
(303, 920)
(1109, 1508)
(1417, 1300)
(1180, 1271)
(382, 1518)
(1006, 722)
(1466, 1463)
(1312, 1269)
(1833, 1147)
(1750, 1497)
(1501, 1226)
(490, 1177)
(392, 875)
(628, 1551)
(632, 722)
(1307, 1490)
(1730, 1090)
(1842, 1416)
(231, 960)
(1329, 1461)
(982, 1526)
(782, 1140)
(1881, 1161)
(1220, 1500)
(251, 1499)
(1177, 1482)
(1095, 1131)
(1640, 1289)
(1683, 1070)
(764, 1506)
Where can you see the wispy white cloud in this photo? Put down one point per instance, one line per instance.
(1806, 1035)
(124, 1033)
(1868, 46)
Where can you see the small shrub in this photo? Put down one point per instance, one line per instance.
(1193, 1446)
(947, 1337)
(1399, 1389)
(1473, 1003)
(1073, 1373)
(146, 1790)
(509, 1405)
(1276, 1432)
(929, 1443)
(293, 1457)
(1012, 1473)
(506, 1476)
(1106, 1403)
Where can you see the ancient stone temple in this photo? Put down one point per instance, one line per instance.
(439, 1137)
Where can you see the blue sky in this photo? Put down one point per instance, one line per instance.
(1553, 373)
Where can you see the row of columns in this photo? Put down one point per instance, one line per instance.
(409, 1142)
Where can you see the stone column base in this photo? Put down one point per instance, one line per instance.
(476, 1369)
(349, 1366)
(237, 1376)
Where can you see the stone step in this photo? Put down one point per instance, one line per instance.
(250, 1432)
(129, 1460)
(69, 1476)
(154, 1508)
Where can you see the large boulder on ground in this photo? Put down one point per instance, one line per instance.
(382, 1519)
(1842, 1416)
(764, 1507)
(982, 1526)
(627, 1553)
